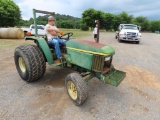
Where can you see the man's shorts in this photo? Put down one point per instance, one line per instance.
(95, 35)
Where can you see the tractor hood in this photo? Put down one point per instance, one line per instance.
(90, 47)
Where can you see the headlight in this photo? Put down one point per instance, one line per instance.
(139, 34)
(122, 34)
(107, 58)
(108, 62)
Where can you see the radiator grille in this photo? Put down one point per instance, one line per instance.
(131, 34)
(98, 63)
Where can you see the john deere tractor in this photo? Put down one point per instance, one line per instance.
(88, 59)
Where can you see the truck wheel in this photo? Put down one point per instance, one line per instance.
(30, 62)
(137, 42)
(119, 39)
(116, 37)
(76, 88)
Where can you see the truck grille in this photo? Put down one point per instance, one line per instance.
(131, 34)
(98, 63)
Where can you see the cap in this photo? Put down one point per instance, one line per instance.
(51, 18)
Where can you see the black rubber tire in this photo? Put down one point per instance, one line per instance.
(34, 62)
(119, 39)
(116, 37)
(81, 87)
(137, 42)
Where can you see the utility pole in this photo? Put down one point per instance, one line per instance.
(98, 27)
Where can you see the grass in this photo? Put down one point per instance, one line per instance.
(9, 43)
(76, 32)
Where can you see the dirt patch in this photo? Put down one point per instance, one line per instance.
(139, 108)
(141, 77)
(54, 100)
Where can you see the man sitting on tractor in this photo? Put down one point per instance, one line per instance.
(52, 36)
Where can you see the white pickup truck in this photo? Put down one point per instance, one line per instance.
(128, 32)
(40, 28)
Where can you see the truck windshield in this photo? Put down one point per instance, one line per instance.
(38, 27)
(130, 27)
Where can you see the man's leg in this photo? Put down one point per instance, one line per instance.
(55, 42)
(61, 41)
(95, 37)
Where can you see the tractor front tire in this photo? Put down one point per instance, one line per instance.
(30, 62)
(76, 88)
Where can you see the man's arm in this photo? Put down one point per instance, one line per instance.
(53, 30)
(49, 29)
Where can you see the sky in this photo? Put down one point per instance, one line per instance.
(146, 8)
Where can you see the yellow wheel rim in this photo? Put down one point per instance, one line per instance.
(22, 64)
(72, 90)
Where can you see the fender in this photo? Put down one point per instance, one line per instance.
(44, 47)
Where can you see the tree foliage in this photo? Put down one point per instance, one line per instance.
(108, 21)
(125, 18)
(89, 17)
(84, 27)
(10, 13)
(143, 22)
(155, 25)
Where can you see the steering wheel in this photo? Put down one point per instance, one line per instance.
(68, 35)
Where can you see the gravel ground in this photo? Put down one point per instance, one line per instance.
(136, 98)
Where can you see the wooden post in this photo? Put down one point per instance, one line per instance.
(98, 28)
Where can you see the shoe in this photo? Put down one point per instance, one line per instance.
(61, 59)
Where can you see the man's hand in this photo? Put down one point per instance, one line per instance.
(61, 33)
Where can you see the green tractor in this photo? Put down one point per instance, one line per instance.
(88, 59)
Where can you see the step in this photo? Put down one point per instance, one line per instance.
(114, 77)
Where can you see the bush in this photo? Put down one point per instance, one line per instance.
(84, 27)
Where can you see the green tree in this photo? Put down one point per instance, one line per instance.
(84, 27)
(108, 21)
(77, 24)
(117, 20)
(155, 25)
(143, 22)
(125, 18)
(10, 13)
(65, 24)
(89, 17)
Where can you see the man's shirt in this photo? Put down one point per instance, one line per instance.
(49, 36)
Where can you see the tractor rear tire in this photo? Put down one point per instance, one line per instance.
(76, 88)
(30, 62)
